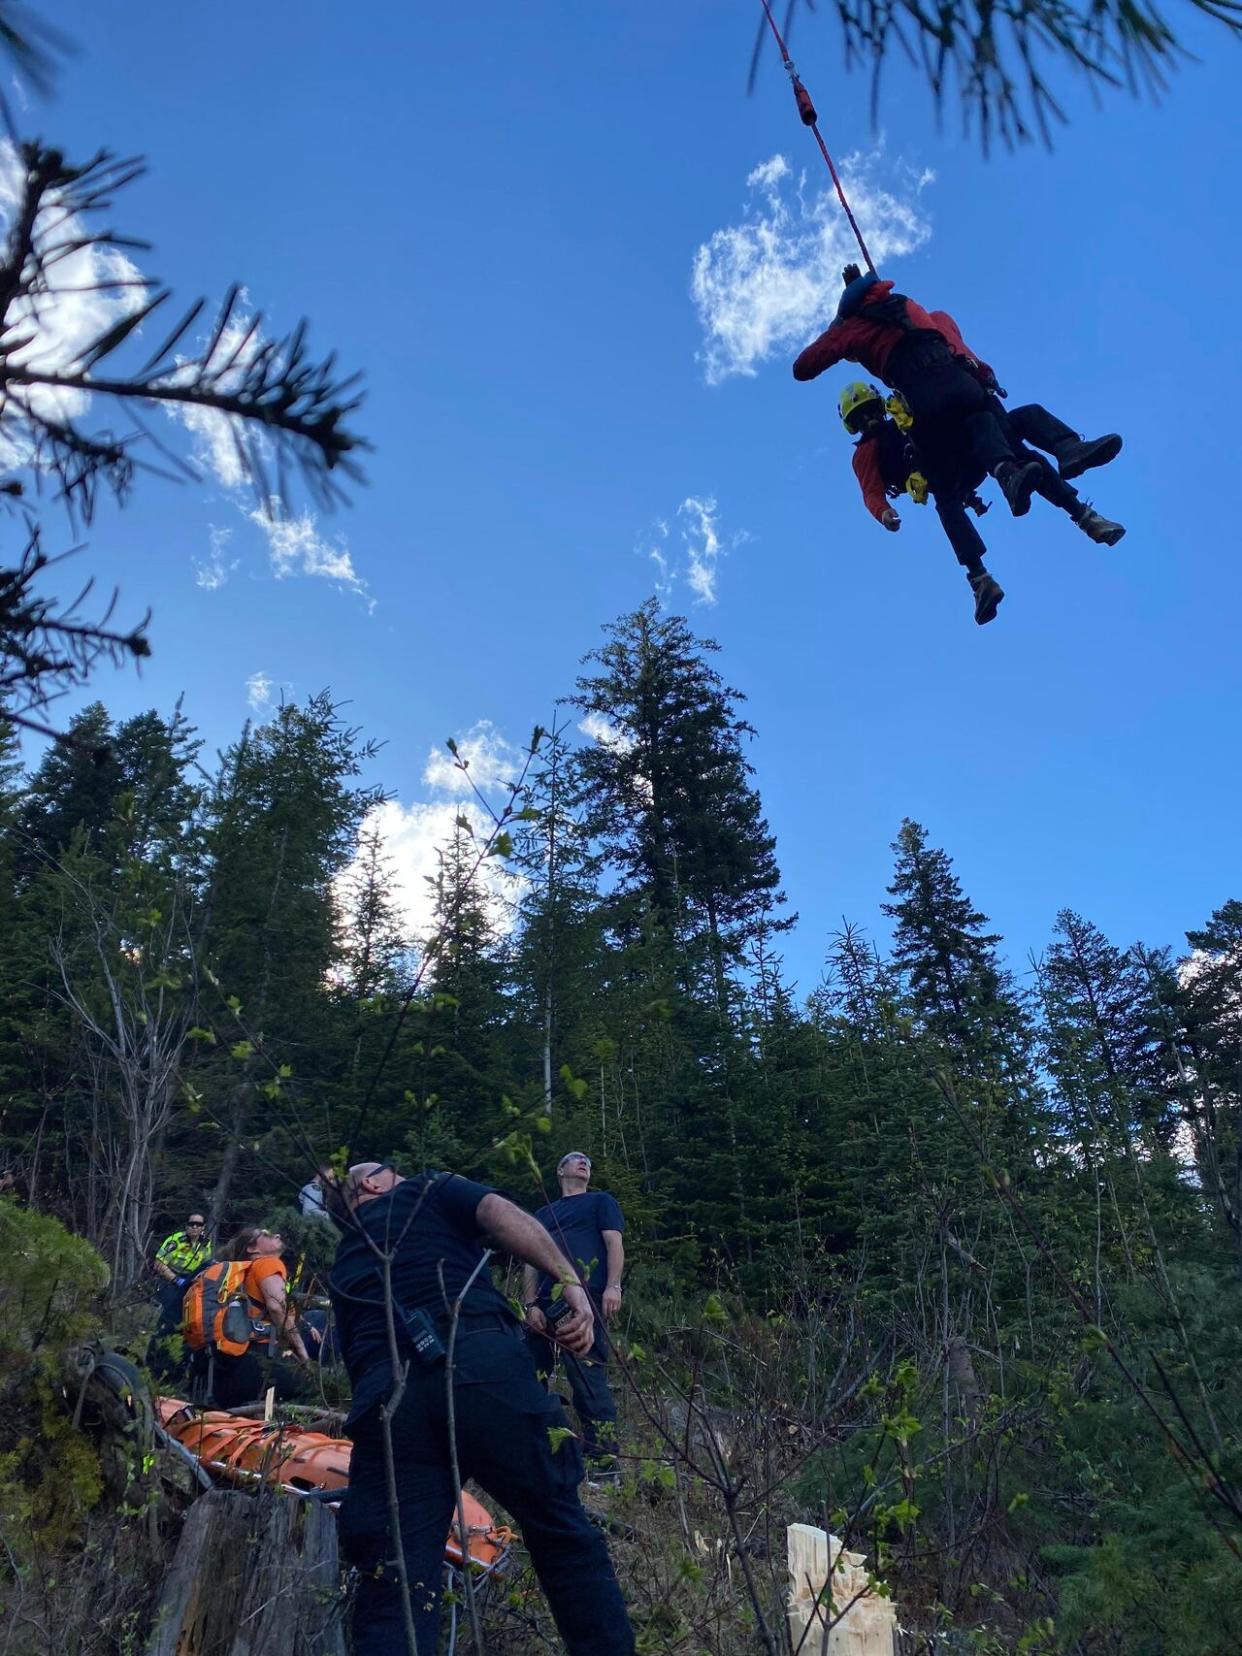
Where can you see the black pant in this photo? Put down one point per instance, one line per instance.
(594, 1403)
(167, 1356)
(503, 1417)
(964, 538)
(1032, 423)
(229, 1382)
(957, 428)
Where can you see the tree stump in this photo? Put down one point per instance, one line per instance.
(253, 1575)
(857, 1620)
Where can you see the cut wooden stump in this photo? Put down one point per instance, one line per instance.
(857, 1620)
(253, 1575)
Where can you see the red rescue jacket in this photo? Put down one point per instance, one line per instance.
(858, 339)
(870, 478)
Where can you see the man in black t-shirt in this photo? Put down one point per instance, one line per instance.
(428, 1235)
(587, 1227)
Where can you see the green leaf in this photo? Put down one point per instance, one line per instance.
(241, 1049)
(557, 1436)
(198, 1033)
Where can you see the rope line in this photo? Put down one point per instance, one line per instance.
(809, 118)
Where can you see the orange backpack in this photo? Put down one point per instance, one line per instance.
(216, 1309)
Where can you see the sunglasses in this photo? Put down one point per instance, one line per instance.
(195, 1224)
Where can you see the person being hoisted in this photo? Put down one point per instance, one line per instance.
(948, 390)
(888, 461)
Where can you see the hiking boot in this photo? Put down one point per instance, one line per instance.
(988, 595)
(1017, 484)
(1076, 457)
(1102, 530)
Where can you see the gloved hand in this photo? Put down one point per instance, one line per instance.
(890, 520)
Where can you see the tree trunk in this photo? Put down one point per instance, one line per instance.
(254, 1575)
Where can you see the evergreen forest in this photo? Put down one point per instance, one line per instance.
(945, 1254)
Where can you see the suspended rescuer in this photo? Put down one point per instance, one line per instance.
(889, 460)
(948, 390)
(587, 1226)
(427, 1236)
(178, 1260)
(236, 1312)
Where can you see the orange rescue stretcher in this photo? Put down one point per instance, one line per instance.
(242, 1450)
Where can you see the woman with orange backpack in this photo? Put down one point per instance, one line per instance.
(232, 1311)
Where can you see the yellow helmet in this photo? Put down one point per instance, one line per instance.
(855, 396)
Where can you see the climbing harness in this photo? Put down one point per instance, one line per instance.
(810, 118)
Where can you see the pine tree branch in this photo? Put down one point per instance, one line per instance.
(994, 55)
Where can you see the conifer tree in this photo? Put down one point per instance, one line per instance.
(283, 823)
(557, 956)
(671, 798)
(376, 949)
(457, 1075)
(1210, 999)
(677, 817)
(1106, 1050)
(964, 1000)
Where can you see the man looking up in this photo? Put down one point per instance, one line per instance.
(425, 1237)
(587, 1226)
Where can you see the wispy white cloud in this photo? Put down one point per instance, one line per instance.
(259, 692)
(214, 441)
(653, 545)
(772, 281)
(414, 834)
(296, 546)
(599, 729)
(83, 303)
(693, 557)
(215, 568)
(491, 761)
(703, 546)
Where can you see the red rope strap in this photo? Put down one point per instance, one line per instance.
(809, 118)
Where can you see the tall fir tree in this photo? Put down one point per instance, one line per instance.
(1210, 998)
(672, 803)
(282, 829)
(1106, 1050)
(962, 996)
(558, 953)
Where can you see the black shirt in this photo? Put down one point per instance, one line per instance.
(576, 1224)
(425, 1223)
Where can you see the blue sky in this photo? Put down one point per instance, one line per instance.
(495, 212)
